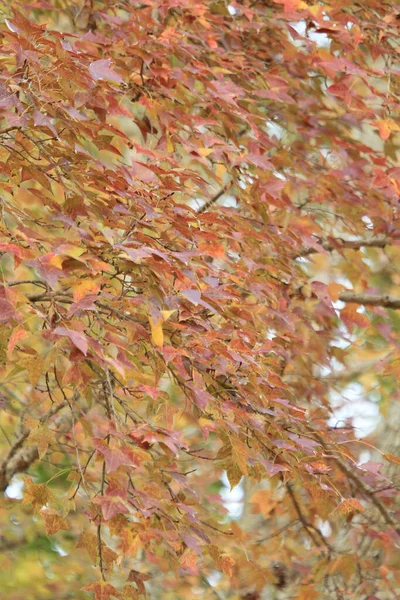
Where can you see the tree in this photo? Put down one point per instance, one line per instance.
(199, 261)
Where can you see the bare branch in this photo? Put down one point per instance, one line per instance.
(370, 299)
(212, 201)
(378, 241)
(19, 459)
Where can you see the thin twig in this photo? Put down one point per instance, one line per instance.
(212, 201)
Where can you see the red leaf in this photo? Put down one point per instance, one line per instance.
(7, 311)
(78, 339)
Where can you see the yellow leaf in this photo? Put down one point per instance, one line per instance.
(37, 494)
(220, 171)
(170, 146)
(58, 192)
(167, 313)
(57, 261)
(204, 151)
(239, 455)
(84, 288)
(157, 334)
(40, 435)
(234, 475)
(35, 367)
(89, 542)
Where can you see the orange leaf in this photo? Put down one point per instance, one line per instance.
(84, 288)
(351, 505)
(392, 458)
(386, 127)
(226, 564)
(53, 522)
(102, 590)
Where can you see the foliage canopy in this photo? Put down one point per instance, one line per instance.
(199, 245)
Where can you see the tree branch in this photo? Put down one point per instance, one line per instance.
(212, 201)
(378, 241)
(370, 299)
(19, 459)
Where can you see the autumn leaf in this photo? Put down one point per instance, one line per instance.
(78, 339)
(226, 564)
(100, 69)
(53, 522)
(391, 458)
(234, 475)
(40, 435)
(84, 288)
(37, 494)
(89, 542)
(102, 590)
(139, 579)
(157, 334)
(264, 502)
(199, 261)
(386, 127)
(239, 455)
(7, 311)
(350, 505)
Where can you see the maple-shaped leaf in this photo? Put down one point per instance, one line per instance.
(102, 590)
(49, 267)
(129, 593)
(109, 556)
(350, 505)
(37, 494)
(53, 522)
(89, 542)
(114, 458)
(139, 579)
(35, 368)
(41, 435)
(226, 564)
(111, 506)
(189, 560)
(386, 127)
